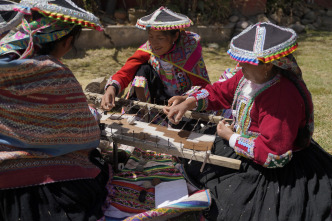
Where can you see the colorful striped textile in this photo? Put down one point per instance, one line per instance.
(46, 126)
(123, 201)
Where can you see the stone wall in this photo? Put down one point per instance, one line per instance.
(301, 17)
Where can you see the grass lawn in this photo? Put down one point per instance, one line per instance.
(314, 56)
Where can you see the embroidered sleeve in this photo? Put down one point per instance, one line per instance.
(127, 73)
(110, 82)
(192, 90)
(245, 146)
(201, 99)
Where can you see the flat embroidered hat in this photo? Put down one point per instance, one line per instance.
(63, 10)
(9, 18)
(59, 18)
(164, 19)
(263, 42)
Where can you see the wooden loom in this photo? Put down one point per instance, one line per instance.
(177, 142)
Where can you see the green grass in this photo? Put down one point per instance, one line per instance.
(314, 56)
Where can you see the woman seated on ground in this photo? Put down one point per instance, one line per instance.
(285, 174)
(50, 168)
(169, 63)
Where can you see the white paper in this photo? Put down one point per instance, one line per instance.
(167, 193)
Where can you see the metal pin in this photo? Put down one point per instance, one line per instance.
(191, 158)
(168, 146)
(205, 159)
(196, 125)
(133, 135)
(181, 147)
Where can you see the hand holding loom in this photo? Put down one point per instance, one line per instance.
(108, 99)
(175, 113)
(224, 130)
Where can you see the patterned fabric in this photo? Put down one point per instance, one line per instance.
(140, 81)
(110, 81)
(201, 99)
(43, 114)
(164, 19)
(123, 203)
(126, 197)
(275, 161)
(196, 202)
(61, 17)
(41, 31)
(229, 72)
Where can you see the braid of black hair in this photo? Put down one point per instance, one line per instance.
(304, 136)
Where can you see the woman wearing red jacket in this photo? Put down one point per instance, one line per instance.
(170, 63)
(285, 174)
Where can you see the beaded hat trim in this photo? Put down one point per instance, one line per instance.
(251, 46)
(64, 10)
(164, 19)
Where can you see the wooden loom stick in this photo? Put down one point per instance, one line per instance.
(185, 153)
(188, 114)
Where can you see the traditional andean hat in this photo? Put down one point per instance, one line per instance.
(64, 10)
(60, 17)
(263, 42)
(164, 19)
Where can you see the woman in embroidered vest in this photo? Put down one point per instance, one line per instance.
(285, 174)
(169, 63)
(50, 168)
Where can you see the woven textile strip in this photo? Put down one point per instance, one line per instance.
(196, 202)
(129, 182)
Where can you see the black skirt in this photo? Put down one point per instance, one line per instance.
(70, 200)
(301, 190)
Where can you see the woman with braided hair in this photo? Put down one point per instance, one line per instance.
(285, 174)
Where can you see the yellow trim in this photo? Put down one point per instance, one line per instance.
(188, 72)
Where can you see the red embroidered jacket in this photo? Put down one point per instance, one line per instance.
(268, 126)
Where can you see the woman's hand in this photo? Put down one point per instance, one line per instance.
(176, 112)
(108, 99)
(225, 130)
(176, 100)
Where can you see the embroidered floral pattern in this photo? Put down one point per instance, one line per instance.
(201, 98)
(274, 161)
